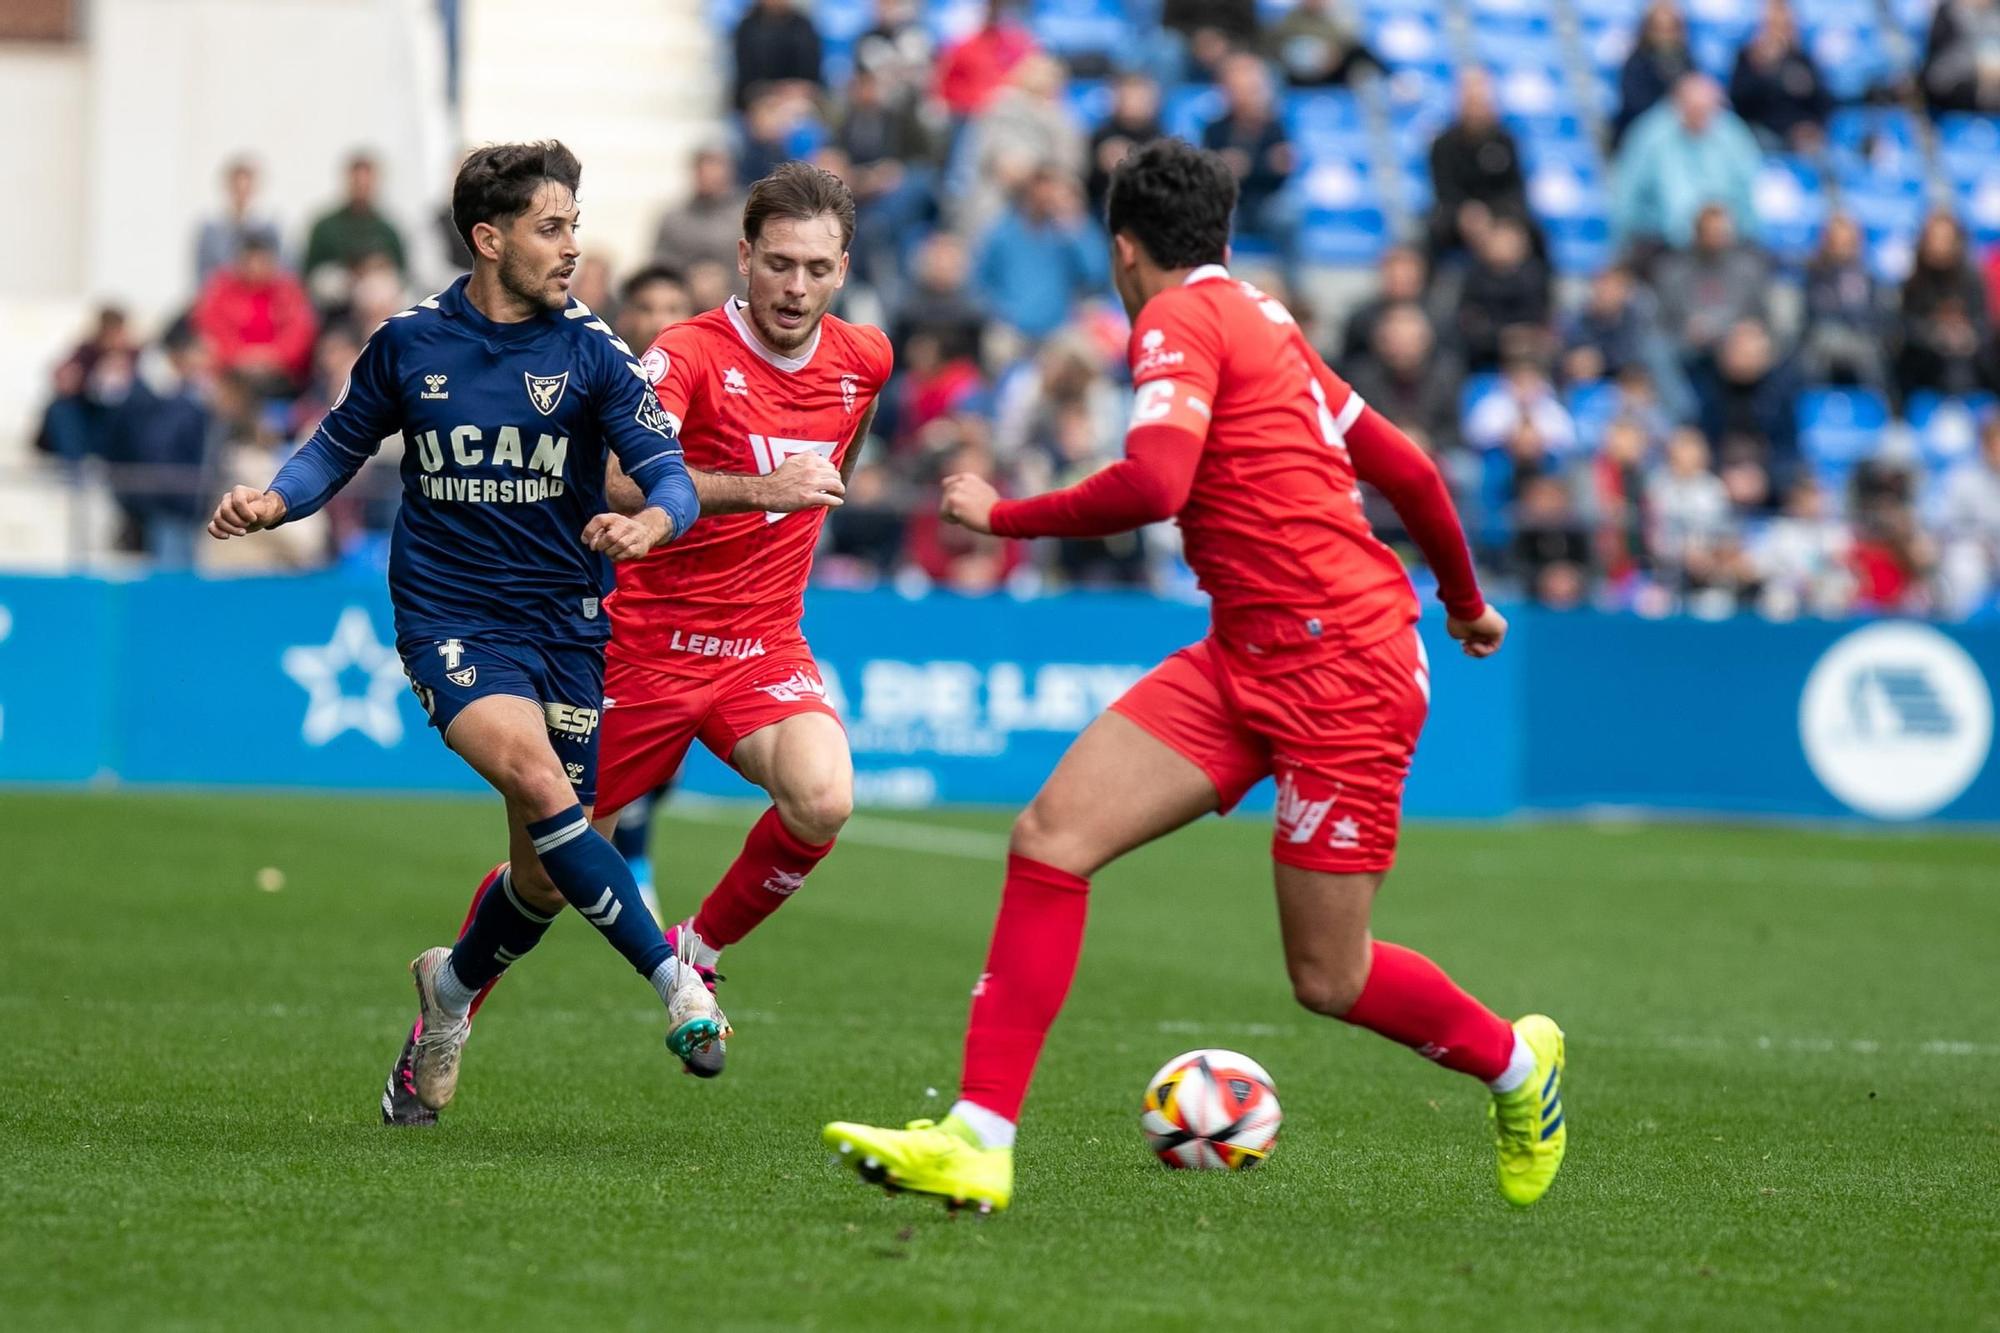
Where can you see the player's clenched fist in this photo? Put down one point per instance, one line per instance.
(802, 481)
(968, 501)
(246, 510)
(626, 536)
(1479, 637)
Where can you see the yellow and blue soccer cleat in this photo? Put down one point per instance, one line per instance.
(928, 1158)
(1528, 1129)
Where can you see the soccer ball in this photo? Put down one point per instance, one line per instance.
(1211, 1110)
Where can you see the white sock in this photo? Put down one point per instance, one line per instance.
(453, 995)
(663, 977)
(1520, 1067)
(992, 1129)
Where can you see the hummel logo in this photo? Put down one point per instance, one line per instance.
(434, 387)
(733, 382)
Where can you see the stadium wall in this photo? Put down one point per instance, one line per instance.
(294, 682)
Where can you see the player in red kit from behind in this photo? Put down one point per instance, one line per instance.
(1312, 672)
(771, 398)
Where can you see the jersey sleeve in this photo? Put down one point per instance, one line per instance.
(1176, 359)
(882, 357)
(367, 412)
(671, 365)
(638, 430)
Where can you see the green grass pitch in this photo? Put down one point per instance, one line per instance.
(1784, 1091)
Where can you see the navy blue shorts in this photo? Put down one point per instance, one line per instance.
(567, 680)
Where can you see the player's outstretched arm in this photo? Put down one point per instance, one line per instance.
(246, 510)
(1392, 463)
(1150, 484)
(803, 481)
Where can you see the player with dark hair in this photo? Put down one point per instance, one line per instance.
(772, 397)
(511, 399)
(1312, 672)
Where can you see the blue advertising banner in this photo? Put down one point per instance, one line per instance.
(295, 682)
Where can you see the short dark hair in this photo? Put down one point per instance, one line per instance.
(647, 276)
(497, 183)
(1175, 200)
(798, 190)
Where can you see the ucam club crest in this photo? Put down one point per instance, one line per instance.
(1896, 720)
(545, 391)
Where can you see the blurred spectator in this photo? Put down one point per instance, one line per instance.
(591, 283)
(1749, 409)
(1706, 289)
(1406, 378)
(1944, 317)
(930, 390)
(1040, 257)
(335, 351)
(1208, 31)
(1679, 156)
(1065, 380)
(972, 71)
(377, 294)
(888, 151)
(1961, 66)
(1969, 527)
(1314, 45)
(1659, 58)
(222, 236)
(1610, 330)
(775, 44)
(1551, 553)
(257, 320)
(248, 452)
(1891, 559)
(649, 301)
(898, 51)
(1844, 311)
(1610, 486)
(1503, 303)
(938, 305)
(351, 230)
(1801, 557)
(1072, 448)
(1252, 140)
(1404, 275)
(1134, 119)
(956, 557)
(775, 128)
(706, 228)
(159, 444)
(1776, 87)
(88, 385)
(864, 535)
(1693, 528)
(1024, 129)
(1475, 163)
(1525, 417)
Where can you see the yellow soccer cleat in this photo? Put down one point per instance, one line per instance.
(928, 1158)
(1528, 1129)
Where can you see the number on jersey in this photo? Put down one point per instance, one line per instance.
(770, 452)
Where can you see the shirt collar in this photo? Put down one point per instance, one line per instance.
(791, 365)
(1204, 273)
(453, 303)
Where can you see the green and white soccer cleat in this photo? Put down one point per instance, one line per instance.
(440, 1037)
(699, 1032)
(1529, 1132)
(928, 1158)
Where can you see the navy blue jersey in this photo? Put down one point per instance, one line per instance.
(505, 431)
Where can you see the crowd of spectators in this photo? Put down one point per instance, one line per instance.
(1629, 437)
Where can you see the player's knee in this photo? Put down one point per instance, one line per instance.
(1042, 834)
(1330, 991)
(817, 811)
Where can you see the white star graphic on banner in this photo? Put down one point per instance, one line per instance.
(330, 710)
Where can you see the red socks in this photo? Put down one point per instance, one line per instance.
(1409, 999)
(1029, 967)
(772, 866)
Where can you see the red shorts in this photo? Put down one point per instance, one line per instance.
(1337, 733)
(651, 717)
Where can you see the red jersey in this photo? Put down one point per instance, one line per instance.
(1274, 527)
(734, 587)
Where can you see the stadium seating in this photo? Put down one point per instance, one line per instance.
(1838, 428)
(1947, 429)
(1791, 208)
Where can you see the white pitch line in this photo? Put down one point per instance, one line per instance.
(1184, 1027)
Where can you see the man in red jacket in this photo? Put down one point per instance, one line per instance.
(257, 320)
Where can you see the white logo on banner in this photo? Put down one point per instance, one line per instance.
(1896, 720)
(6, 629)
(330, 710)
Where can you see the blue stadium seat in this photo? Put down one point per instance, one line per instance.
(1625, 13)
(1565, 187)
(1343, 225)
(1073, 27)
(1791, 206)
(1430, 89)
(1593, 406)
(1979, 207)
(1187, 110)
(1476, 389)
(1321, 120)
(1579, 246)
(1406, 38)
(1839, 428)
(1854, 130)
(1536, 100)
(1089, 101)
(1969, 145)
(1947, 428)
(1848, 50)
